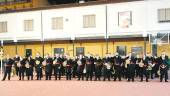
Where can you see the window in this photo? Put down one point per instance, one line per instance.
(79, 50)
(57, 23)
(28, 25)
(58, 51)
(89, 21)
(121, 50)
(164, 15)
(137, 51)
(28, 52)
(3, 27)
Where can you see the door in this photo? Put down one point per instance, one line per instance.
(79, 50)
(28, 52)
(58, 51)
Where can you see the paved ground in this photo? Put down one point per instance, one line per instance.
(83, 88)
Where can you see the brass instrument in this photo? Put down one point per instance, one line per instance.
(65, 63)
(27, 65)
(108, 66)
(141, 64)
(84, 71)
(158, 72)
(113, 70)
(150, 66)
(127, 62)
(161, 66)
(55, 62)
(79, 62)
(18, 64)
(13, 73)
(37, 62)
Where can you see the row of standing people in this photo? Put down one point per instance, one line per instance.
(89, 66)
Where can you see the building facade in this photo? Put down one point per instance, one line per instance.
(94, 28)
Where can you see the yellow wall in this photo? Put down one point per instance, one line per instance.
(33, 3)
(165, 48)
(10, 50)
(93, 48)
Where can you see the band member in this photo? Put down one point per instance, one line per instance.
(48, 67)
(16, 61)
(131, 65)
(155, 69)
(148, 64)
(89, 67)
(30, 63)
(38, 61)
(137, 69)
(106, 69)
(81, 62)
(98, 67)
(22, 68)
(57, 62)
(74, 67)
(8, 65)
(124, 67)
(62, 66)
(69, 63)
(164, 67)
(117, 66)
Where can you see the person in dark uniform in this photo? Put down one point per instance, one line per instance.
(98, 67)
(106, 68)
(22, 68)
(80, 68)
(164, 67)
(154, 67)
(30, 63)
(107, 71)
(8, 65)
(62, 57)
(117, 66)
(48, 67)
(74, 67)
(148, 64)
(124, 68)
(89, 67)
(69, 68)
(131, 65)
(16, 61)
(38, 61)
(57, 62)
(137, 69)
(158, 62)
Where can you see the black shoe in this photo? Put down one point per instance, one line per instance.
(166, 81)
